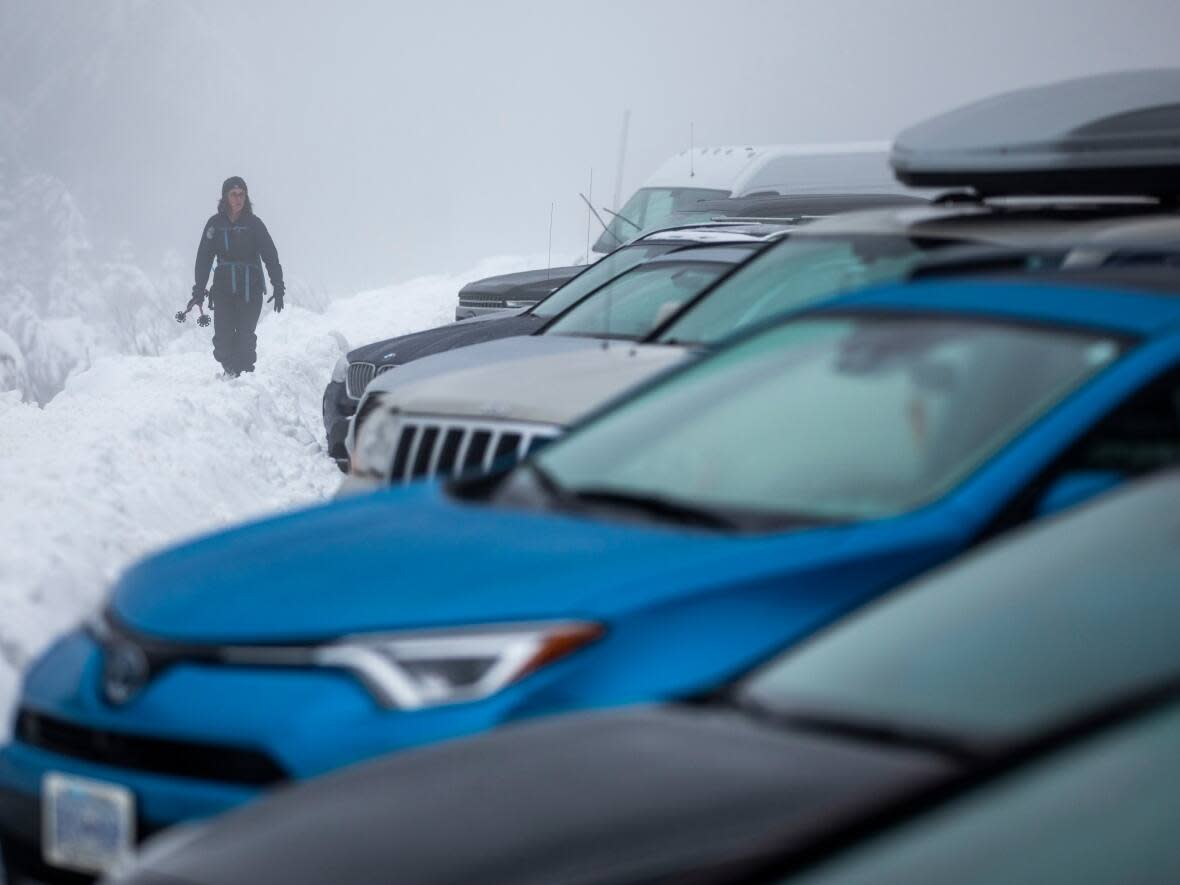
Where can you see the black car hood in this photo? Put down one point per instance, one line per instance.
(404, 348)
(527, 284)
(620, 796)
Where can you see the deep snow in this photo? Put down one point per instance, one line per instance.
(138, 452)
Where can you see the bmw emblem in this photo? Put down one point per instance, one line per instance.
(125, 672)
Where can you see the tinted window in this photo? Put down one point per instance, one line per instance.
(837, 418)
(632, 305)
(1105, 812)
(602, 271)
(789, 275)
(1069, 614)
(1140, 436)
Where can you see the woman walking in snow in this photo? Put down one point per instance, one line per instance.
(240, 242)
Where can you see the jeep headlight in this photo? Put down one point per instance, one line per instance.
(409, 671)
(376, 434)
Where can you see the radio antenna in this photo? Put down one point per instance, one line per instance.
(605, 226)
(589, 202)
(549, 255)
(622, 156)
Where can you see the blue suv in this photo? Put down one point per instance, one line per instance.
(668, 544)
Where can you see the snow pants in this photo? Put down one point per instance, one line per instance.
(235, 345)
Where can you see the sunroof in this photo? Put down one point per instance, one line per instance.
(1110, 134)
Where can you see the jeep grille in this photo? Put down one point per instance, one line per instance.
(431, 446)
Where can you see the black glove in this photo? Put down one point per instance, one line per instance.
(277, 298)
(197, 299)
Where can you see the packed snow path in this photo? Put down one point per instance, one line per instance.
(140, 452)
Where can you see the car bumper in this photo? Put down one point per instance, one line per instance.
(308, 721)
(338, 409)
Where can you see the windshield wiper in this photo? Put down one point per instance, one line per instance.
(654, 505)
(877, 731)
(605, 226)
(673, 342)
(551, 487)
(623, 218)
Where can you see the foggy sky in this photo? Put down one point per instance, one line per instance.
(383, 140)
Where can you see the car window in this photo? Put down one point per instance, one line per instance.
(850, 417)
(1140, 436)
(630, 306)
(1006, 644)
(789, 275)
(1103, 812)
(602, 271)
(649, 209)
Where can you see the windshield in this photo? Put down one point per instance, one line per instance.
(1102, 811)
(1063, 618)
(632, 305)
(790, 274)
(650, 208)
(831, 418)
(602, 271)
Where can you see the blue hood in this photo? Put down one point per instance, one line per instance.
(408, 558)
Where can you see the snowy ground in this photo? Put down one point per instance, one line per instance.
(140, 452)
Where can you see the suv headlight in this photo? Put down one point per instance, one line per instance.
(340, 370)
(411, 671)
(375, 442)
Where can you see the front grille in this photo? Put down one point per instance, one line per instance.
(475, 301)
(359, 376)
(432, 446)
(216, 762)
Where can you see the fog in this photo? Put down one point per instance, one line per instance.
(384, 140)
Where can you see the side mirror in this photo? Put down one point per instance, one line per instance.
(1075, 487)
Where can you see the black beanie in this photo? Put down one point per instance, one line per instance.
(232, 182)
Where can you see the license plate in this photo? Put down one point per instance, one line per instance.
(86, 825)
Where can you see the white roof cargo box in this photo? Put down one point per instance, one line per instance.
(849, 167)
(1110, 134)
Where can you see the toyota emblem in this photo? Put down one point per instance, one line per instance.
(125, 673)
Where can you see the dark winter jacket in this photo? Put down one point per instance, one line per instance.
(240, 247)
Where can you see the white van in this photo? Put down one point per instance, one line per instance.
(667, 199)
(713, 173)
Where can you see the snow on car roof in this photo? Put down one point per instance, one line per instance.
(737, 232)
(776, 167)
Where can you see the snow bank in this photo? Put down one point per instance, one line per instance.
(142, 451)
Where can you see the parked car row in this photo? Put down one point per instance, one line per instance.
(853, 565)
(410, 422)
(764, 219)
